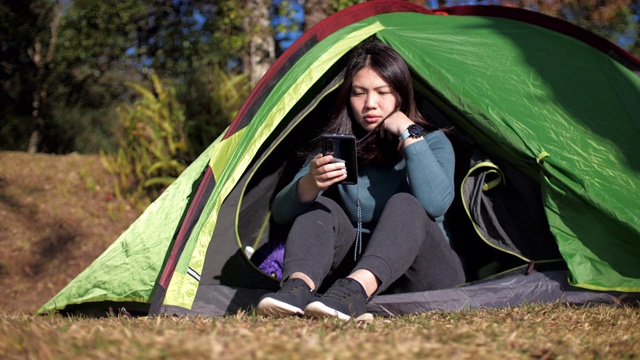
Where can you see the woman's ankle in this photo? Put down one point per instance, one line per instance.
(367, 279)
(304, 277)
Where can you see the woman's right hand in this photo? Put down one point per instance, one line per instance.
(323, 172)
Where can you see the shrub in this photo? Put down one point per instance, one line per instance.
(153, 145)
(212, 99)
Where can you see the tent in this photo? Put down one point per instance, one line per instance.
(546, 120)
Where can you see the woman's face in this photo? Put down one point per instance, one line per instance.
(371, 99)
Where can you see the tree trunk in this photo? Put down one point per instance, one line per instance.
(262, 47)
(315, 11)
(43, 66)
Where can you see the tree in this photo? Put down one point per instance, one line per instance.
(261, 52)
(88, 49)
(317, 10)
(244, 37)
(18, 29)
(57, 58)
(615, 20)
(286, 19)
(32, 28)
(41, 54)
(610, 19)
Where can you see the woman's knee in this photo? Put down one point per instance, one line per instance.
(328, 212)
(405, 210)
(325, 202)
(322, 205)
(404, 200)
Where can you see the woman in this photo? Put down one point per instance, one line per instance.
(384, 234)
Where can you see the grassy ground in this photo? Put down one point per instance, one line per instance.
(58, 213)
(530, 332)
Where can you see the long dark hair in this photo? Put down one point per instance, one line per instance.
(390, 66)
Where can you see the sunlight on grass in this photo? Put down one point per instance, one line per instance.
(541, 332)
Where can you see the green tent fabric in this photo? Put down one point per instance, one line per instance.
(580, 143)
(556, 103)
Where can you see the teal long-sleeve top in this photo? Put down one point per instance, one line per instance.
(426, 171)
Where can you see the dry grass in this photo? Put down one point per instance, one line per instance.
(534, 332)
(57, 215)
(53, 224)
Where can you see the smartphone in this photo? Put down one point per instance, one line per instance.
(343, 148)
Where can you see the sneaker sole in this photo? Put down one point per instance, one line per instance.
(275, 308)
(319, 310)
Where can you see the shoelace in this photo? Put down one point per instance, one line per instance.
(341, 292)
(291, 287)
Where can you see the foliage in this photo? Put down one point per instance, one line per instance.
(338, 5)
(24, 42)
(164, 130)
(212, 99)
(78, 78)
(229, 32)
(102, 45)
(243, 34)
(286, 17)
(174, 37)
(14, 130)
(84, 129)
(612, 19)
(154, 145)
(615, 20)
(97, 34)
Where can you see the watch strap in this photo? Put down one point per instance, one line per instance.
(412, 131)
(405, 134)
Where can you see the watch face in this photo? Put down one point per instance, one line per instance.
(416, 131)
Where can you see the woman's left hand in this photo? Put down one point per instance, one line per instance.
(394, 125)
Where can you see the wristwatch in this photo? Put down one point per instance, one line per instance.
(413, 131)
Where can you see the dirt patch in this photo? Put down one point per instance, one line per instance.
(57, 215)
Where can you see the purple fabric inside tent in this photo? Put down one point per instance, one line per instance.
(269, 258)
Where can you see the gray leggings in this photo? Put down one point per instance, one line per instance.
(407, 250)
